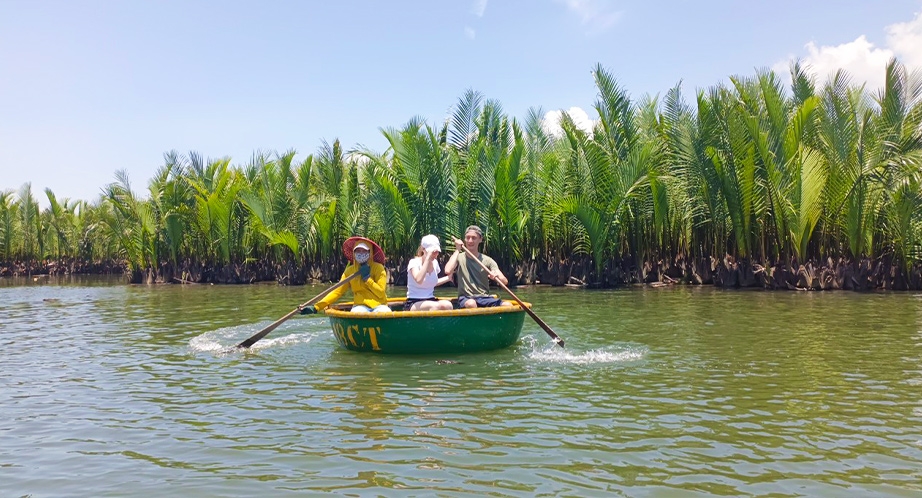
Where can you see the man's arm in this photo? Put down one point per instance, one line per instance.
(452, 263)
(496, 273)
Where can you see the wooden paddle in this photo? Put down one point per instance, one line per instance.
(262, 333)
(554, 337)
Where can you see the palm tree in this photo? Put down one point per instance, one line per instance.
(29, 224)
(215, 201)
(617, 164)
(899, 171)
(58, 216)
(172, 199)
(510, 210)
(9, 214)
(412, 187)
(130, 222)
(277, 199)
(339, 211)
(752, 169)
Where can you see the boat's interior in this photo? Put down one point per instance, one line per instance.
(394, 303)
(396, 306)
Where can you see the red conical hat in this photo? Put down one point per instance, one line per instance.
(376, 253)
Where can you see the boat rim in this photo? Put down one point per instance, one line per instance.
(342, 311)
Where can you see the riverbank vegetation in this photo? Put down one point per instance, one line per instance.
(750, 183)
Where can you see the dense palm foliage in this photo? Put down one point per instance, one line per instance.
(753, 169)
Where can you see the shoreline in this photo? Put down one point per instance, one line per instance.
(576, 272)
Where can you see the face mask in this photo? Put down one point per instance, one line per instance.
(362, 257)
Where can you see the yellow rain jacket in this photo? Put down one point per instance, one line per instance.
(368, 292)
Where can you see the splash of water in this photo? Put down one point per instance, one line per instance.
(542, 352)
(593, 356)
(222, 341)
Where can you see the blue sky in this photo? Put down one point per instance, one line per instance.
(88, 87)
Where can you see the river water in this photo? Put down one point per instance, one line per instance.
(114, 390)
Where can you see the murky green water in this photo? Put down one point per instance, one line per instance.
(113, 390)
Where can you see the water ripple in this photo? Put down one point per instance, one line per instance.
(680, 392)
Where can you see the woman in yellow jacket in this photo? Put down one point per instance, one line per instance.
(368, 289)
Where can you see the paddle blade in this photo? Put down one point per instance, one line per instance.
(262, 333)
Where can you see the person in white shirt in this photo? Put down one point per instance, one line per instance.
(423, 278)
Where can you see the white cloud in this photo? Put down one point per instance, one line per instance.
(357, 158)
(469, 32)
(862, 59)
(905, 39)
(551, 121)
(480, 6)
(596, 15)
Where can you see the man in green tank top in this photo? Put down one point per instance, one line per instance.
(473, 281)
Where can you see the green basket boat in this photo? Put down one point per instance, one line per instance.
(424, 332)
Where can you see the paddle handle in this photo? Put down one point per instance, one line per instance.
(262, 333)
(550, 332)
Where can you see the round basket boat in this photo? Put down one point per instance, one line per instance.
(423, 332)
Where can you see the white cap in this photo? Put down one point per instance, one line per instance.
(362, 245)
(431, 243)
